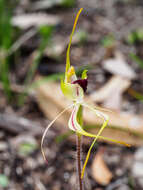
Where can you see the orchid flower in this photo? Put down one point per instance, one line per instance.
(74, 89)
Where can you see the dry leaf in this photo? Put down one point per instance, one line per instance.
(27, 20)
(114, 101)
(119, 66)
(100, 171)
(111, 93)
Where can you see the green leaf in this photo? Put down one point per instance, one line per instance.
(4, 181)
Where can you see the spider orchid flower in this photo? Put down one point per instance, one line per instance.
(74, 89)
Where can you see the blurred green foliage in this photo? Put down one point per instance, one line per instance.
(137, 60)
(45, 35)
(135, 36)
(108, 41)
(6, 39)
(27, 148)
(7, 32)
(67, 3)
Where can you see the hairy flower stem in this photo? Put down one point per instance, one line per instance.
(79, 147)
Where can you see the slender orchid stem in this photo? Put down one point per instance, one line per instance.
(79, 149)
(79, 165)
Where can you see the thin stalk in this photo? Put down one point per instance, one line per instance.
(79, 149)
(79, 165)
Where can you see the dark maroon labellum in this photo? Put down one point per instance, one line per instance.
(82, 82)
